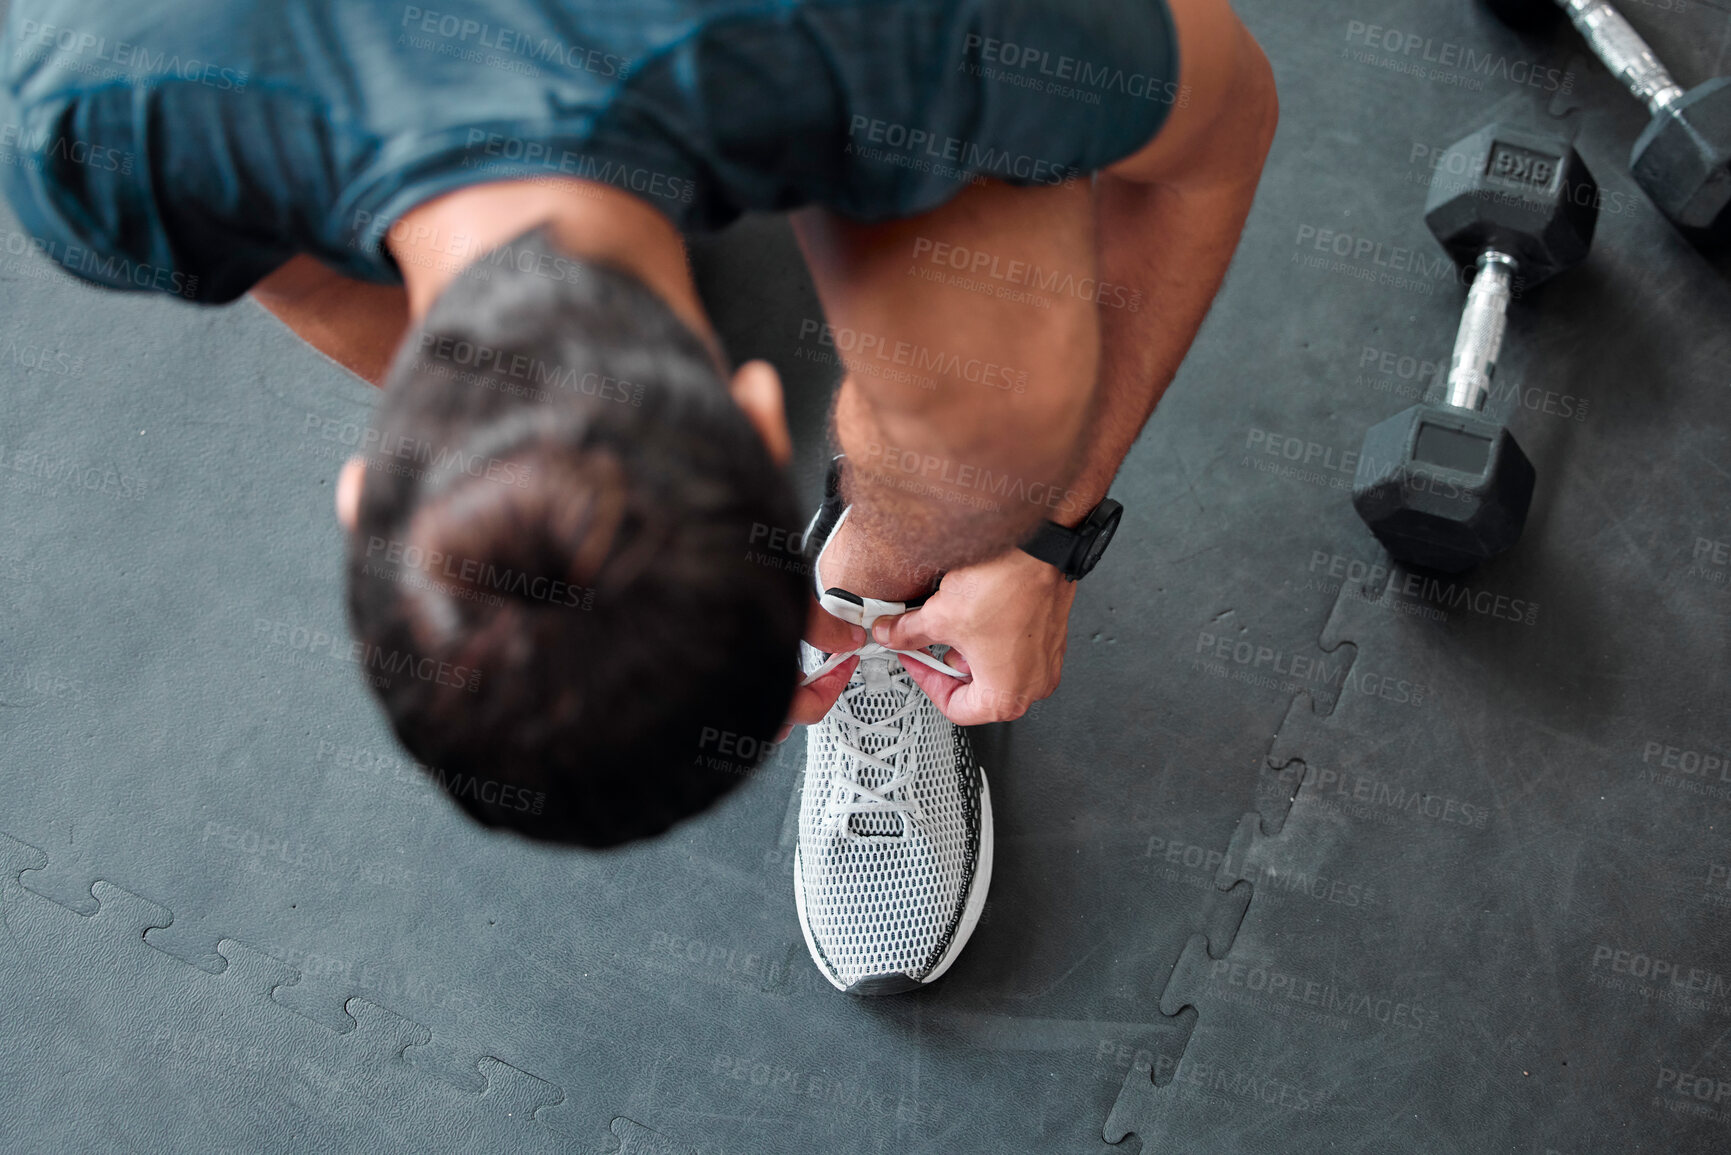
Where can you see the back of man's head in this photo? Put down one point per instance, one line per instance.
(551, 575)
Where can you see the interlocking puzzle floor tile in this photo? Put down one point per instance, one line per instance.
(234, 917)
(1493, 916)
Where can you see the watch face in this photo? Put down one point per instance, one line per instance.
(1102, 539)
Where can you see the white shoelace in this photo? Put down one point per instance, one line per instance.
(847, 796)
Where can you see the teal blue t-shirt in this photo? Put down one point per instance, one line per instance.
(193, 146)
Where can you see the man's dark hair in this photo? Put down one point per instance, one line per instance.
(553, 580)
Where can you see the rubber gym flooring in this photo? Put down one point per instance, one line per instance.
(1306, 854)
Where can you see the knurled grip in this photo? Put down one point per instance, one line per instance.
(1480, 338)
(1628, 57)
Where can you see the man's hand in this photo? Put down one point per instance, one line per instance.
(1006, 622)
(826, 632)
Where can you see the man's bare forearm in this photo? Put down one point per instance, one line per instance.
(356, 324)
(1171, 242)
(961, 411)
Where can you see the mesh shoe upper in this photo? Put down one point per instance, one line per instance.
(891, 822)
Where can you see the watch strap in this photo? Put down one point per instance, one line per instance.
(1055, 545)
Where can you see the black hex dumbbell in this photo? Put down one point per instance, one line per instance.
(1683, 159)
(1443, 486)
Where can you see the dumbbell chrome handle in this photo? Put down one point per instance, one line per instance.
(1481, 333)
(1624, 52)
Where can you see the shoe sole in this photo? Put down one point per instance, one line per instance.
(900, 984)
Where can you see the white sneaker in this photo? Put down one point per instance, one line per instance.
(895, 825)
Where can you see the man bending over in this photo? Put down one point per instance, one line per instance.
(1016, 213)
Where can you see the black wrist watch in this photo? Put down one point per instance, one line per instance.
(1076, 551)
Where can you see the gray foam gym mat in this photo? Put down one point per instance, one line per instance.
(234, 918)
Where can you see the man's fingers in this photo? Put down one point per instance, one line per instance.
(967, 703)
(970, 702)
(909, 631)
(940, 688)
(828, 633)
(976, 704)
(963, 701)
(811, 703)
